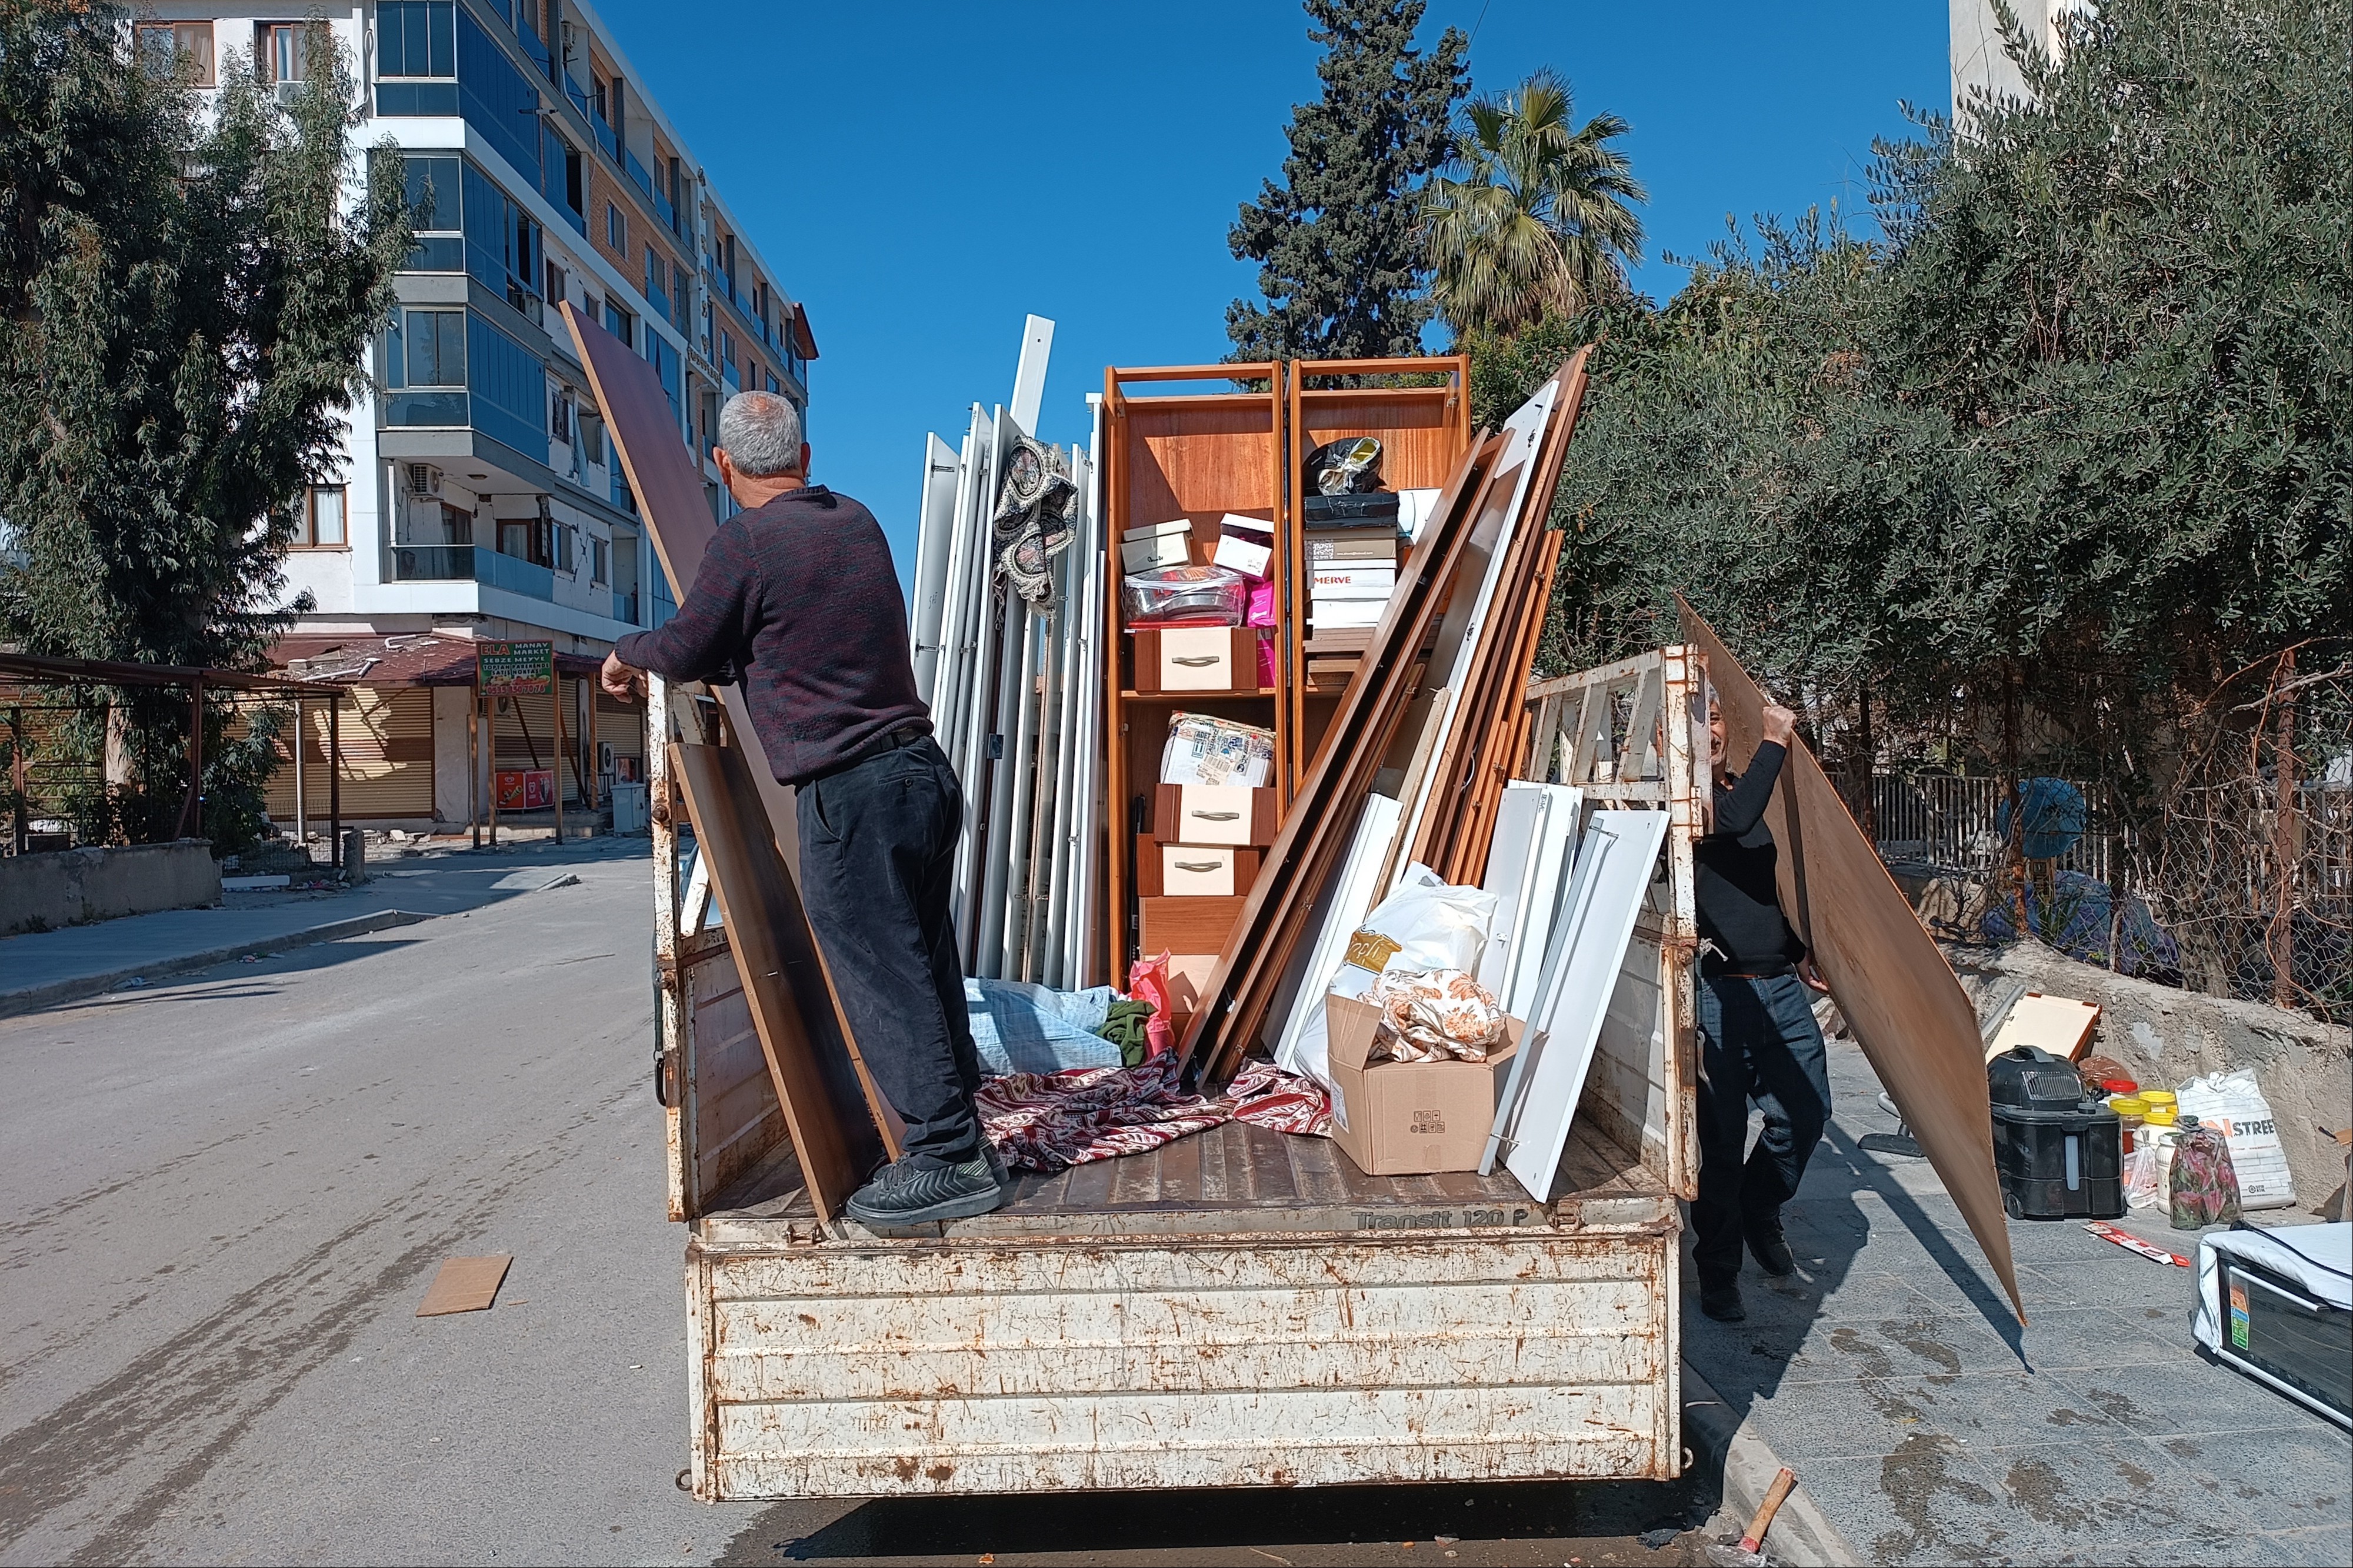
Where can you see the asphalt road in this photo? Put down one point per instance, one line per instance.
(227, 1193)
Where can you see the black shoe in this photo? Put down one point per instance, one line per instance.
(906, 1193)
(1765, 1245)
(1722, 1301)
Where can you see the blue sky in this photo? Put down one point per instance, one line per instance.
(922, 176)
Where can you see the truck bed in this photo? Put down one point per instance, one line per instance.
(1234, 1179)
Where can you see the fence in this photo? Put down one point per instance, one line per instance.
(2217, 894)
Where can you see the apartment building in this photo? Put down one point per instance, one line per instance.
(479, 498)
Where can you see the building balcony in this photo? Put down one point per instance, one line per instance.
(471, 563)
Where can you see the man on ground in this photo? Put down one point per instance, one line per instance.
(1758, 1040)
(796, 597)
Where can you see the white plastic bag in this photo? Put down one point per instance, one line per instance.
(2234, 1103)
(1426, 925)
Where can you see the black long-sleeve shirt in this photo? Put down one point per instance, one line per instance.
(1733, 871)
(796, 598)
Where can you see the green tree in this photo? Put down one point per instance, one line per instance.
(187, 293)
(1535, 217)
(1338, 242)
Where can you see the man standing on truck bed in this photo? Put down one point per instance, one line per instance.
(1757, 1034)
(797, 599)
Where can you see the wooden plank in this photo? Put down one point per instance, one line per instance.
(465, 1285)
(1890, 979)
(832, 1125)
(669, 487)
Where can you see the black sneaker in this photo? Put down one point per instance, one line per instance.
(905, 1193)
(1721, 1301)
(1766, 1245)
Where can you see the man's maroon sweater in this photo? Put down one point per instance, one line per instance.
(797, 599)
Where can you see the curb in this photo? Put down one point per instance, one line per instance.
(1803, 1535)
(35, 998)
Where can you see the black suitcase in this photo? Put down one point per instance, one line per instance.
(2060, 1154)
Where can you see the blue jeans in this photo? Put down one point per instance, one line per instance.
(1758, 1041)
(878, 862)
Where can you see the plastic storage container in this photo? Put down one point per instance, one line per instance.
(2059, 1155)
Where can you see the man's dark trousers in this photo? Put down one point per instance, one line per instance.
(1757, 1040)
(877, 864)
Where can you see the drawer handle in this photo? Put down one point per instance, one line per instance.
(1219, 815)
(1196, 661)
(1199, 864)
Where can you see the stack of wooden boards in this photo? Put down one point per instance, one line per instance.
(1016, 693)
(1420, 748)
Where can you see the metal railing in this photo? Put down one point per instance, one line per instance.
(471, 563)
(1959, 825)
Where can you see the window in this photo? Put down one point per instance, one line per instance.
(772, 386)
(556, 284)
(502, 242)
(280, 49)
(591, 439)
(437, 349)
(600, 559)
(679, 297)
(416, 38)
(617, 228)
(656, 274)
(559, 414)
(321, 526)
(621, 324)
(170, 48)
(509, 385)
(434, 209)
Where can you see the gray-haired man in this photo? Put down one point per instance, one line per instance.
(796, 598)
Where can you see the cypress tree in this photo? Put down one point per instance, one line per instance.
(1338, 242)
(187, 293)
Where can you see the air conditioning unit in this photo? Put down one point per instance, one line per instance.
(423, 481)
(289, 92)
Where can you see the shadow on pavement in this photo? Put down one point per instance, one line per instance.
(1348, 1524)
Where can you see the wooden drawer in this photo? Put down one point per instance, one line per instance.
(1197, 658)
(1212, 814)
(1188, 925)
(1192, 870)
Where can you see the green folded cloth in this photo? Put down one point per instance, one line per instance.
(1124, 1028)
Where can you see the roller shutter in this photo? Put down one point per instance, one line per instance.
(387, 739)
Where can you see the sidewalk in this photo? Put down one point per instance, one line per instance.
(1890, 1374)
(48, 968)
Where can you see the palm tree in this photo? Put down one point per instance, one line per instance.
(1531, 216)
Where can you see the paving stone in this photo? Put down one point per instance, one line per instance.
(2109, 1491)
(1927, 1502)
(2181, 1399)
(2329, 1547)
(2006, 1409)
(1901, 1346)
(2094, 1338)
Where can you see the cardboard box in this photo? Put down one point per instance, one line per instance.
(1342, 614)
(1376, 546)
(1151, 555)
(1408, 1118)
(1178, 528)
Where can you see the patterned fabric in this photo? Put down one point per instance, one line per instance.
(1264, 1093)
(1046, 1121)
(1032, 524)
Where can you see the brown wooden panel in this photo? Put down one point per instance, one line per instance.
(1189, 925)
(838, 1136)
(668, 488)
(1890, 979)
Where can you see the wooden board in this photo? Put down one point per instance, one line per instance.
(669, 492)
(1888, 976)
(465, 1285)
(834, 1130)
(2060, 1024)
